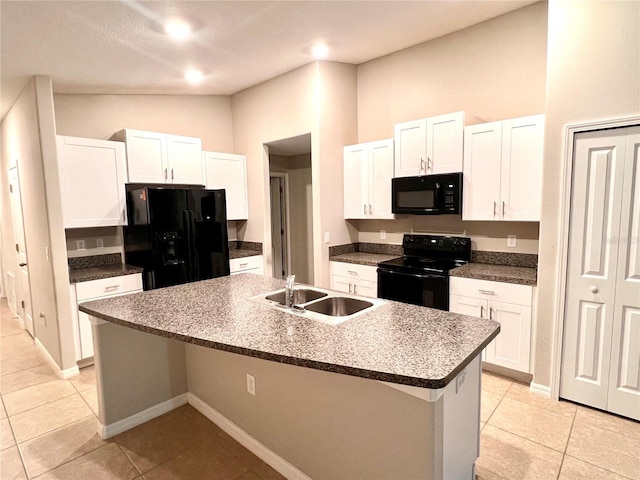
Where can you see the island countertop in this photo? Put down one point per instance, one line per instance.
(396, 342)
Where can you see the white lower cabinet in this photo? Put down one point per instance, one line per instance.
(352, 278)
(251, 264)
(507, 303)
(94, 290)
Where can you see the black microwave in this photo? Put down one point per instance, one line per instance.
(427, 195)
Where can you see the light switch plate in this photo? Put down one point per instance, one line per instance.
(326, 237)
(383, 234)
(80, 245)
(99, 243)
(511, 240)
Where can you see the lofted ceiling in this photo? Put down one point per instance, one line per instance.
(118, 46)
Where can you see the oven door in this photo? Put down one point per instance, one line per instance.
(427, 290)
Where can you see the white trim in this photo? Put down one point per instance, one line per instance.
(108, 431)
(540, 389)
(287, 213)
(563, 237)
(265, 454)
(63, 374)
(426, 394)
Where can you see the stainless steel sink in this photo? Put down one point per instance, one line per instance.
(338, 306)
(300, 295)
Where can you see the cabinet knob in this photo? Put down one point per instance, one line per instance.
(594, 289)
(23, 264)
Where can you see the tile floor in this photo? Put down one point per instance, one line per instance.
(48, 431)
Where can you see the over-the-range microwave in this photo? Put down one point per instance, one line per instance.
(427, 195)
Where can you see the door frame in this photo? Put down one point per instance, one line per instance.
(562, 262)
(287, 221)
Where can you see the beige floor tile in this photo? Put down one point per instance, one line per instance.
(265, 471)
(52, 449)
(484, 474)
(533, 423)
(29, 359)
(6, 435)
(15, 345)
(200, 463)
(86, 379)
(26, 378)
(48, 417)
(606, 449)
(3, 412)
(495, 383)
(488, 402)
(37, 395)
(90, 395)
(516, 458)
(10, 324)
(574, 469)
(11, 467)
(613, 423)
(521, 392)
(105, 463)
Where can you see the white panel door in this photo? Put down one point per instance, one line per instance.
(380, 160)
(624, 377)
(356, 176)
(474, 307)
(482, 157)
(592, 263)
(521, 168)
(445, 135)
(184, 156)
(146, 156)
(511, 347)
(410, 148)
(229, 172)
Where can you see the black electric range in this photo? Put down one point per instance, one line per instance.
(421, 276)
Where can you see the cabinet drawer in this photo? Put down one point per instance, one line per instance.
(498, 291)
(245, 263)
(106, 287)
(354, 271)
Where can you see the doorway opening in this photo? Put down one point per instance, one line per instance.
(290, 188)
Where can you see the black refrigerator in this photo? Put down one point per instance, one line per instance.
(176, 235)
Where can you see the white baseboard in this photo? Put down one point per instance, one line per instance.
(63, 374)
(108, 431)
(265, 454)
(540, 389)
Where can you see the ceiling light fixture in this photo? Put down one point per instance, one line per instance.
(320, 51)
(193, 76)
(177, 28)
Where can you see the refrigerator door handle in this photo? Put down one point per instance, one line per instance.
(195, 274)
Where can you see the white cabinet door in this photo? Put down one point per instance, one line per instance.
(252, 264)
(511, 348)
(380, 160)
(92, 180)
(474, 307)
(228, 171)
(146, 156)
(341, 284)
(410, 148)
(521, 168)
(445, 138)
(184, 156)
(482, 157)
(356, 177)
(366, 288)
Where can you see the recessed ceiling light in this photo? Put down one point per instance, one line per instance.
(320, 51)
(177, 28)
(193, 75)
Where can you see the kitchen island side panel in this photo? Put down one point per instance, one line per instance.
(325, 424)
(135, 371)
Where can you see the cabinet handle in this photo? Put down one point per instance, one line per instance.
(495, 205)
(165, 173)
(349, 287)
(422, 169)
(370, 209)
(504, 207)
(364, 208)
(481, 311)
(172, 174)
(244, 264)
(355, 289)
(352, 272)
(487, 292)
(429, 166)
(490, 313)
(111, 288)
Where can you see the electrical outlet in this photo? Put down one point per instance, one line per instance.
(99, 243)
(80, 245)
(383, 234)
(511, 240)
(326, 237)
(251, 384)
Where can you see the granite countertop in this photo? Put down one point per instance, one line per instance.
(496, 273)
(396, 342)
(103, 271)
(241, 253)
(363, 258)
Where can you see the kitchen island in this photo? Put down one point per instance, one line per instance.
(392, 393)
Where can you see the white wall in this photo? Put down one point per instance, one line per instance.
(593, 73)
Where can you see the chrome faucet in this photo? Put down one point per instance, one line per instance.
(289, 292)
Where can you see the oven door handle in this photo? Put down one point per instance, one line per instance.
(414, 275)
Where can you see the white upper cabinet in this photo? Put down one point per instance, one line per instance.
(368, 169)
(162, 158)
(92, 180)
(503, 170)
(228, 171)
(429, 145)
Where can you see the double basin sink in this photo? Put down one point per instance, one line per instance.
(318, 304)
